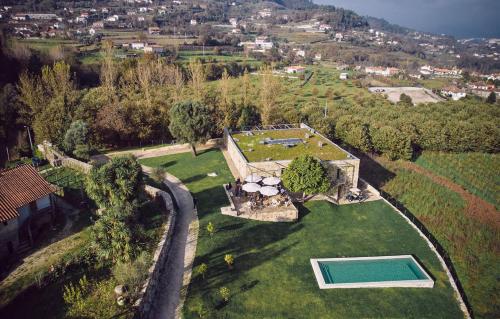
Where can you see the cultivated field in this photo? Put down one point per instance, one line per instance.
(465, 225)
(476, 172)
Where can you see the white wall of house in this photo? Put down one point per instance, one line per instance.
(8, 233)
(43, 202)
(24, 213)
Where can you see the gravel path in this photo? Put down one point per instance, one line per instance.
(176, 273)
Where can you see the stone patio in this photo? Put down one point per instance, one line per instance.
(241, 207)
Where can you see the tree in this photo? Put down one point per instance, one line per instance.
(190, 122)
(225, 293)
(392, 143)
(115, 183)
(270, 90)
(229, 259)
(202, 270)
(108, 71)
(111, 235)
(211, 229)
(306, 174)
(76, 136)
(492, 98)
(226, 104)
(405, 100)
(197, 81)
(248, 117)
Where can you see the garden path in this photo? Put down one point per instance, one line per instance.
(176, 272)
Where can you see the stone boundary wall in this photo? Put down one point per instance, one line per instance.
(433, 247)
(177, 148)
(149, 290)
(57, 158)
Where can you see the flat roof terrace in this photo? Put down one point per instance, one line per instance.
(286, 144)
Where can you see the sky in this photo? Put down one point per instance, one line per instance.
(460, 18)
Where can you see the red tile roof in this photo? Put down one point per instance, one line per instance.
(20, 186)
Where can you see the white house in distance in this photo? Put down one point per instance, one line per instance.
(453, 92)
(154, 49)
(294, 69)
(263, 43)
(343, 76)
(377, 70)
(137, 45)
(193, 22)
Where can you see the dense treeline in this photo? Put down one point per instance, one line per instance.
(399, 131)
(132, 103)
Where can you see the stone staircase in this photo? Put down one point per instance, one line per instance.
(24, 247)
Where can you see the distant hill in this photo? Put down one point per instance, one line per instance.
(384, 25)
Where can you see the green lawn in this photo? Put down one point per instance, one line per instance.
(476, 172)
(272, 276)
(256, 152)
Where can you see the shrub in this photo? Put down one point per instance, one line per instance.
(158, 174)
(211, 229)
(74, 296)
(202, 270)
(225, 293)
(132, 274)
(229, 259)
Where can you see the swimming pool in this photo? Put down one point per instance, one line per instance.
(370, 272)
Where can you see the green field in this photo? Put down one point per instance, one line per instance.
(46, 44)
(272, 276)
(256, 152)
(479, 173)
(472, 244)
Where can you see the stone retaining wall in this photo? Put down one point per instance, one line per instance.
(57, 158)
(145, 302)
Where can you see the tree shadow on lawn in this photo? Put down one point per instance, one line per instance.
(168, 164)
(249, 248)
(194, 178)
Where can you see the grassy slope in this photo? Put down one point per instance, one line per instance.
(26, 301)
(476, 172)
(272, 277)
(472, 245)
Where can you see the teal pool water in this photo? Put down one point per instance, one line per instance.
(355, 271)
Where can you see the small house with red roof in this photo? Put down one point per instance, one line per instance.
(26, 203)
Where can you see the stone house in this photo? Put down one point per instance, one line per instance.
(26, 204)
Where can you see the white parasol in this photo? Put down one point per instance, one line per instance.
(254, 178)
(269, 191)
(271, 181)
(251, 187)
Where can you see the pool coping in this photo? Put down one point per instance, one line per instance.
(419, 283)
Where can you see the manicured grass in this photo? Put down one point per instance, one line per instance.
(256, 152)
(272, 276)
(476, 172)
(471, 243)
